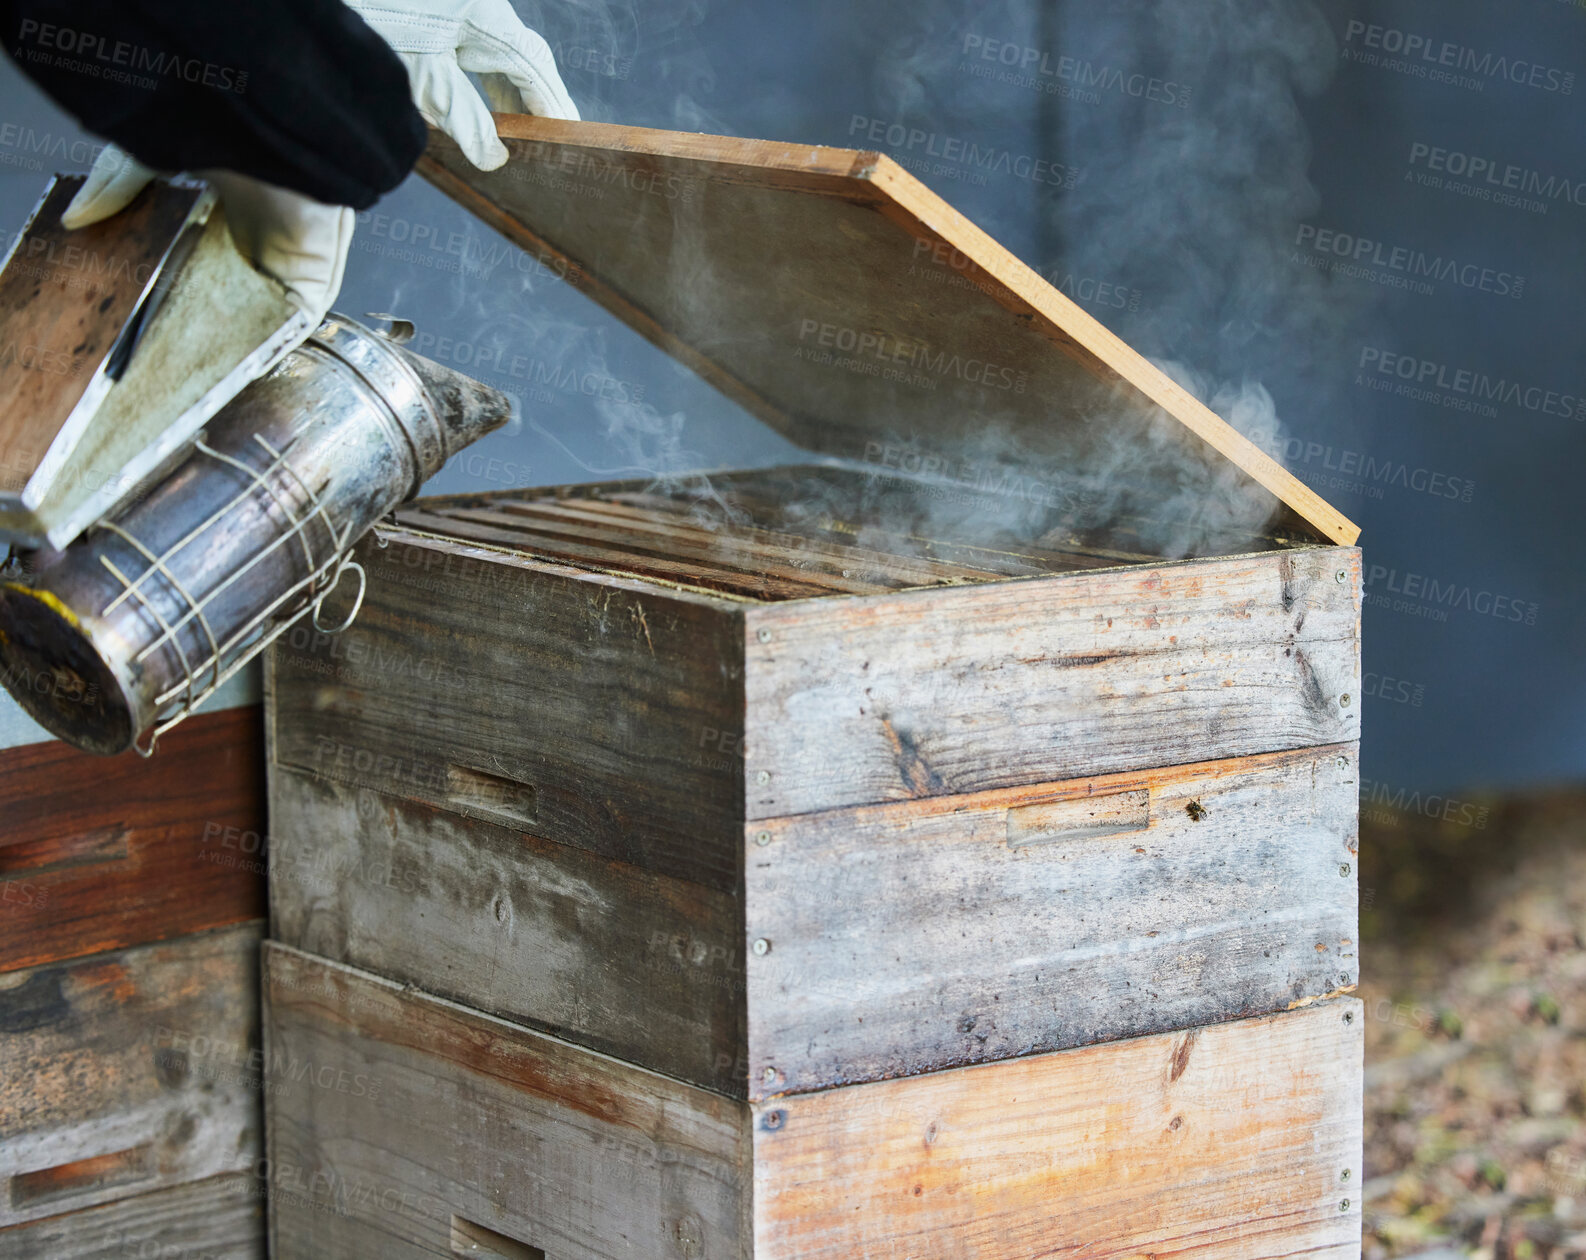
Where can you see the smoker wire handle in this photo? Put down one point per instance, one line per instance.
(347, 562)
(185, 711)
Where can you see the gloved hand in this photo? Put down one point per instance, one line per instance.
(441, 40)
(303, 243)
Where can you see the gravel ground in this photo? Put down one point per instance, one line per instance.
(1474, 956)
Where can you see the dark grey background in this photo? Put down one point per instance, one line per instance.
(1184, 229)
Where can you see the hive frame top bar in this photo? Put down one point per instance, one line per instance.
(739, 256)
(727, 533)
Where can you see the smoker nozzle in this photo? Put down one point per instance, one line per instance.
(119, 635)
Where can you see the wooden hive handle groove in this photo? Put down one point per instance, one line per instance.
(470, 1239)
(1080, 818)
(81, 1176)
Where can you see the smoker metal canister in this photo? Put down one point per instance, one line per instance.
(121, 633)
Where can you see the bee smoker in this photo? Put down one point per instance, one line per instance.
(112, 639)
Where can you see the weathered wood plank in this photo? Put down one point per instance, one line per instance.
(1041, 918)
(553, 1146)
(921, 693)
(820, 509)
(928, 693)
(65, 296)
(604, 700)
(127, 1072)
(154, 851)
(464, 523)
(725, 556)
(1219, 894)
(1242, 1140)
(1236, 1142)
(631, 962)
(219, 1218)
(670, 519)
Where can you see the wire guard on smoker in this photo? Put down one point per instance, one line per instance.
(114, 639)
(269, 623)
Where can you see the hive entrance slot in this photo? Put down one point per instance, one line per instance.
(475, 1240)
(82, 1176)
(1082, 818)
(495, 794)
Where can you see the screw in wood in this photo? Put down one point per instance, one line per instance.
(1341, 576)
(1343, 869)
(761, 946)
(763, 777)
(1349, 1017)
(1343, 763)
(764, 636)
(1344, 1176)
(775, 1119)
(762, 838)
(1343, 700)
(769, 1075)
(1343, 1205)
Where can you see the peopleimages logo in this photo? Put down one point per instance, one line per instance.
(1387, 797)
(1327, 467)
(85, 52)
(955, 157)
(1072, 78)
(1430, 380)
(74, 149)
(1394, 690)
(886, 355)
(1444, 61)
(1429, 597)
(501, 361)
(1493, 176)
(1399, 266)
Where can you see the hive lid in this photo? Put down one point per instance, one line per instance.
(841, 301)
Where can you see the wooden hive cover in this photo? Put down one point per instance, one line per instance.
(841, 301)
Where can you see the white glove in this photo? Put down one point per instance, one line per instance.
(441, 40)
(301, 242)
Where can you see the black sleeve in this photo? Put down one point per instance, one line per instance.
(299, 93)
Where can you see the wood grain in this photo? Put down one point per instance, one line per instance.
(1242, 1140)
(474, 525)
(674, 234)
(127, 1072)
(606, 698)
(1218, 894)
(919, 528)
(911, 937)
(64, 298)
(617, 701)
(104, 853)
(964, 689)
(631, 962)
(1236, 1142)
(785, 533)
(218, 1218)
(553, 1146)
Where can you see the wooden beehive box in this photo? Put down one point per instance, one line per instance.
(1022, 719)
(477, 1137)
(130, 924)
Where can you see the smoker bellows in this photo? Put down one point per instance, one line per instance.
(124, 631)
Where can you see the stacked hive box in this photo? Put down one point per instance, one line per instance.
(825, 862)
(131, 910)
